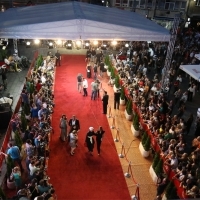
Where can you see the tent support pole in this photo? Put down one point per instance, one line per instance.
(15, 46)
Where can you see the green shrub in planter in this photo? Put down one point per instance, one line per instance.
(39, 62)
(117, 83)
(112, 73)
(159, 167)
(136, 123)
(18, 140)
(10, 165)
(107, 60)
(2, 194)
(147, 144)
(26, 109)
(122, 95)
(171, 191)
(155, 160)
(129, 107)
(144, 138)
(23, 121)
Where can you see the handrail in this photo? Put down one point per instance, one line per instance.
(9, 129)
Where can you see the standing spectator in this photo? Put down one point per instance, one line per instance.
(93, 55)
(179, 79)
(73, 137)
(183, 99)
(99, 57)
(34, 112)
(117, 99)
(101, 68)
(88, 55)
(38, 85)
(189, 123)
(105, 102)
(99, 135)
(58, 58)
(4, 77)
(191, 91)
(177, 95)
(99, 85)
(88, 70)
(161, 187)
(85, 86)
(94, 90)
(17, 177)
(74, 122)
(14, 153)
(79, 82)
(95, 71)
(63, 128)
(89, 140)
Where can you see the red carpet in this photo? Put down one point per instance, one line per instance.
(82, 176)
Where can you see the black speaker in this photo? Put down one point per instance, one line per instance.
(5, 115)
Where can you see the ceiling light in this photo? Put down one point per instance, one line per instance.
(28, 43)
(114, 42)
(126, 45)
(59, 42)
(50, 43)
(95, 42)
(78, 43)
(36, 41)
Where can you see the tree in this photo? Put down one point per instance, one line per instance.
(170, 191)
(147, 144)
(144, 138)
(112, 72)
(129, 107)
(159, 167)
(18, 140)
(117, 81)
(155, 160)
(136, 123)
(122, 96)
(10, 165)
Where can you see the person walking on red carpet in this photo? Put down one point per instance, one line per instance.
(63, 128)
(94, 88)
(58, 58)
(85, 86)
(89, 140)
(74, 124)
(105, 102)
(73, 140)
(79, 82)
(99, 135)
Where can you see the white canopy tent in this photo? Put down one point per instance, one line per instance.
(76, 20)
(197, 56)
(192, 70)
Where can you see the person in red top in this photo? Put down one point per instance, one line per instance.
(38, 85)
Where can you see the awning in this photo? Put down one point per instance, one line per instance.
(192, 70)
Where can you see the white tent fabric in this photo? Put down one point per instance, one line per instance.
(76, 20)
(197, 56)
(192, 70)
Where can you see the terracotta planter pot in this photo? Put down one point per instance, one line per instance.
(122, 101)
(135, 133)
(144, 153)
(128, 117)
(153, 174)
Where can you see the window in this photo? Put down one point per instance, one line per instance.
(197, 2)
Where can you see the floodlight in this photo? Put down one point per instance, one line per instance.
(114, 42)
(37, 41)
(78, 43)
(50, 43)
(68, 44)
(127, 45)
(28, 43)
(95, 42)
(59, 42)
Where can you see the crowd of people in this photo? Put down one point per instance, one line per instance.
(162, 109)
(37, 106)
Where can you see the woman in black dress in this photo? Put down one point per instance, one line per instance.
(99, 135)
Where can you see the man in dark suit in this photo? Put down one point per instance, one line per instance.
(117, 95)
(105, 102)
(58, 58)
(73, 122)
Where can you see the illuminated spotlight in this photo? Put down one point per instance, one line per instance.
(126, 45)
(50, 45)
(104, 45)
(59, 42)
(37, 41)
(78, 44)
(95, 42)
(28, 44)
(68, 44)
(87, 44)
(114, 42)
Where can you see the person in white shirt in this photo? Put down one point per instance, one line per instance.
(85, 86)
(33, 169)
(179, 78)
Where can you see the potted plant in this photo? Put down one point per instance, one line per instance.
(18, 140)
(116, 83)
(23, 122)
(39, 62)
(152, 170)
(106, 61)
(135, 126)
(2, 194)
(10, 165)
(129, 110)
(109, 69)
(122, 96)
(26, 111)
(145, 145)
(171, 191)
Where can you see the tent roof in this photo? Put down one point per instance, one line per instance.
(197, 56)
(192, 70)
(76, 20)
